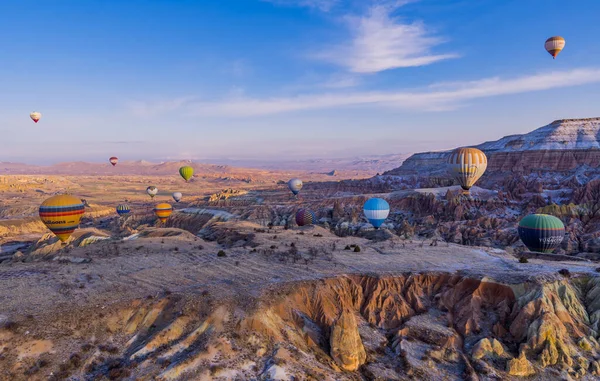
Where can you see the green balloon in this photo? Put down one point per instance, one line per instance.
(186, 172)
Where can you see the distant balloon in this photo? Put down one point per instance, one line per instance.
(114, 160)
(467, 165)
(123, 209)
(305, 217)
(163, 211)
(177, 196)
(152, 191)
(186, 172)
(555, 45)
(376, 210)
(35, 116)
(541, 232)
(295, 185)
(61, 214)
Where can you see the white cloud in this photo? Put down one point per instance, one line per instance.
(382, 42)
(437, 97)
(143, 109)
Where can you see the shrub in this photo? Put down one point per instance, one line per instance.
(357, 249)
(347, 247)
(564, 272)
(221, 253)
(523, 260)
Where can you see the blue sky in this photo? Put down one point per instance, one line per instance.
(286, 79)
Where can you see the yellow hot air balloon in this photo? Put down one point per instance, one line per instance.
(467, 165)
(554, 45)
(163, 211)
(35, 116)
(61, 214)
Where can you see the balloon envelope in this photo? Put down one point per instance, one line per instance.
(305, 217)
(467, 165)
(295, 185)
(163, 211)
(554, 45)
(177, 196)
(152, 191)
(541, 232)
(114, 160)
(61, 214)
(186, 172)
(35, 116)
(376, 210)
(123, 209)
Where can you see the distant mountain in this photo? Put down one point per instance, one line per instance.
(562, 146)
(369, 165)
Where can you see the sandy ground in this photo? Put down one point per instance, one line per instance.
(123, 270)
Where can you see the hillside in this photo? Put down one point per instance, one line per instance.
(561, 146)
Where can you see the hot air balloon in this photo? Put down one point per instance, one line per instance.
(467, 165)
(35, 116)
(123, 209)
(177, 196)
(376, 210)
(295, 185)
(554, 45)
(186, 172)
(61, 214)
(163, 211)
(152, 191)
(305, 217)
(114, 160)
(541, 232)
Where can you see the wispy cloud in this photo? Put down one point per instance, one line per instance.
(437, 97)
(162, 106)
(322, 5)
(381, 42)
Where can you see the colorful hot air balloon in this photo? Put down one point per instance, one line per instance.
(554, 45)
(295, 185)
(35, 116)
(186, 172)
(123, 209)
(152, 191)
(376, 210)
(114, 160)
(541, 232)
(467, 165)
(177, 196)
(61, 214)
(305, 217)
(163, 211)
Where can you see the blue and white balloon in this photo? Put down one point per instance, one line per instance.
(376, 210)
(295, 185)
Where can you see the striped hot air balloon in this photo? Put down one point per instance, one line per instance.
(305, 217)
(177, 196)
(152, 191)
(467, 165)
(541, 232)
(554, 45)
(123, 209)
(35, 116)
(61, 214)
(114, 160)
(163, 211)
(186, 172)
(376, 210)
(295, 186)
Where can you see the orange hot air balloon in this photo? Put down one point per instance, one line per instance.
(35, 116)
(554, 45)
(163, 211)
(61, 214)
(114, 160)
